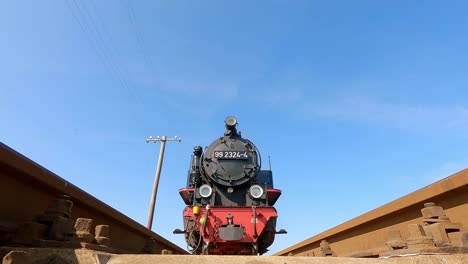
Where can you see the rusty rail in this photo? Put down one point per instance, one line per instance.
(368, 234)
(27, 189)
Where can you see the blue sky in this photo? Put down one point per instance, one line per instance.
(356, 102)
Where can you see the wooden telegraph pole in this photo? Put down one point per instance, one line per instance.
(163, 140)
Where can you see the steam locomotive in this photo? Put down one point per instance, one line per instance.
(229, 198)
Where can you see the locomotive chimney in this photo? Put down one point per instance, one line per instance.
(231, 123)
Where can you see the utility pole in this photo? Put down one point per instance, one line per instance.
(163, 140)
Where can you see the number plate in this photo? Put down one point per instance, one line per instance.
(231, 155)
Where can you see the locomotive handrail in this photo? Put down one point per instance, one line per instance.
(206, 218)
(254, 211)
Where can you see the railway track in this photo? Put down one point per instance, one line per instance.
(42, 216)
(404, 226)
(41, 209)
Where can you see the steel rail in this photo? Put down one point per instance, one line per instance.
(366, 235)
(26, 189)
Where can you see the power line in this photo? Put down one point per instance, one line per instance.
(90, 28)
(147, 59)
(140, 40)
(102, 41)
(113, 50)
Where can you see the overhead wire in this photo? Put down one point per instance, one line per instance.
(104, 49)
(146, 56)
(114, 50)
(102, 42)
(140, 40)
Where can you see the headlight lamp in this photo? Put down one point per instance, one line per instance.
(205, 191)
(256, 191)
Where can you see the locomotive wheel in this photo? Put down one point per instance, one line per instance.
(206, 248)
(254, 249)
